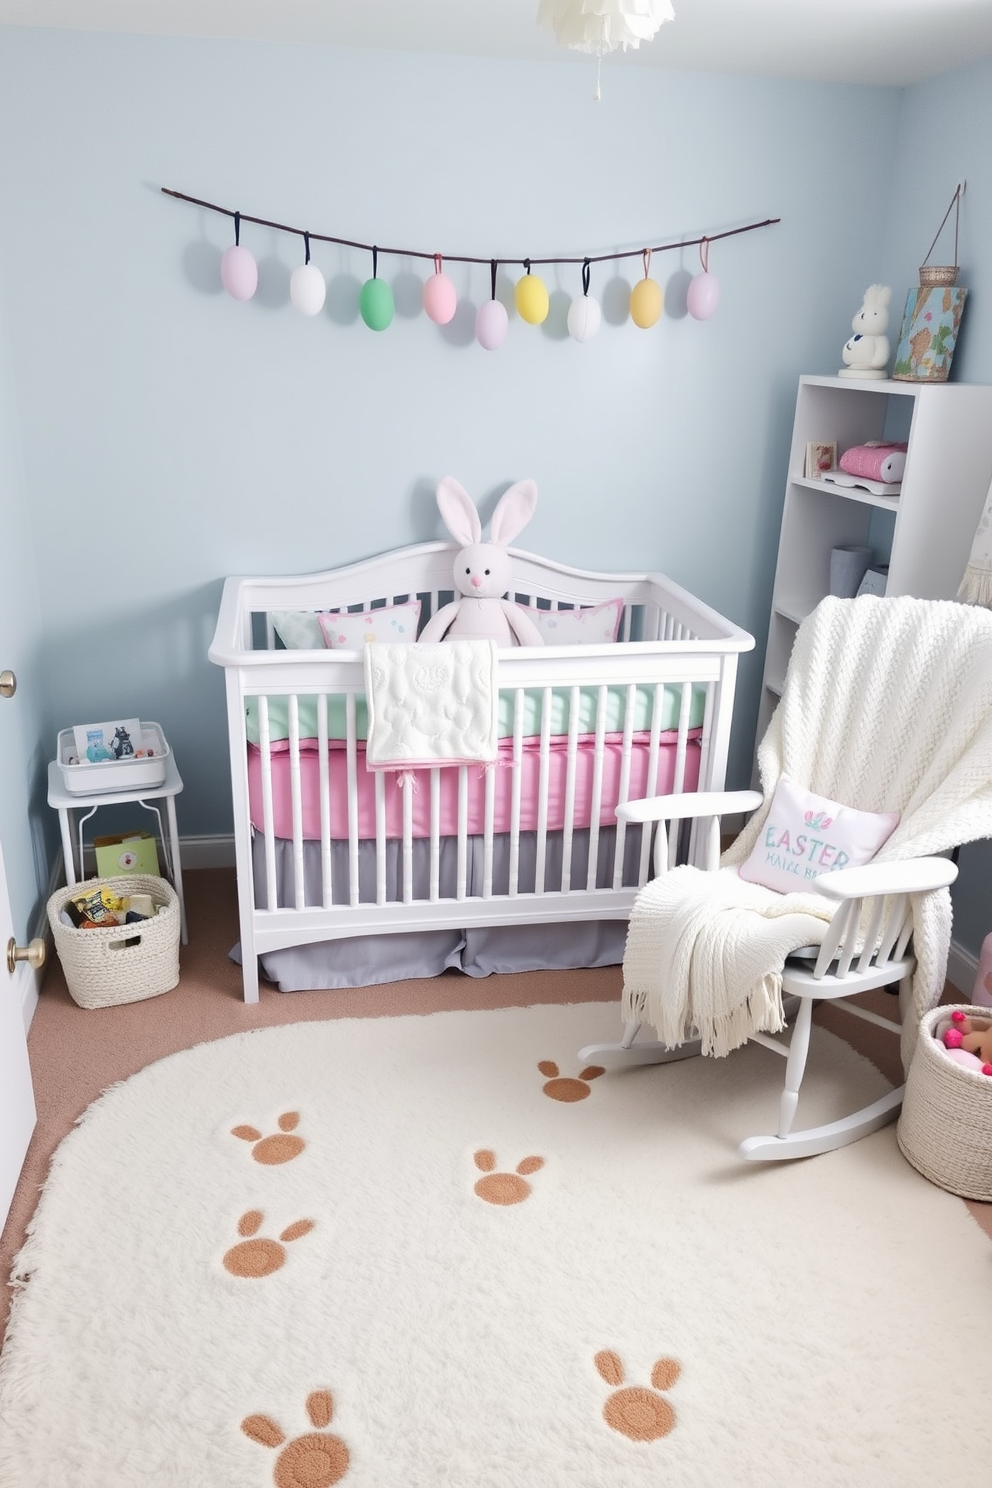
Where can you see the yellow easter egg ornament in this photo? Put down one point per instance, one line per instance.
(646, 299)
(531, 298)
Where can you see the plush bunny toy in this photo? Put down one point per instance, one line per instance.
(866, 354)
(482, 569)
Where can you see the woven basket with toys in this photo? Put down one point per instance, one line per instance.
(945, 1126)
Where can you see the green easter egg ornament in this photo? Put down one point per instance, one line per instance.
(376, 304)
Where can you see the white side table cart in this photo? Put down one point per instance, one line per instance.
(66, 802)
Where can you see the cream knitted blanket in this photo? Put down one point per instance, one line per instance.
(887, 706)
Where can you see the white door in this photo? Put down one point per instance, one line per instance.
(17, 1108)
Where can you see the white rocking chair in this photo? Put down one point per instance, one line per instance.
(925, 693)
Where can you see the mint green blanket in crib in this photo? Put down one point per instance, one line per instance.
(616, 705)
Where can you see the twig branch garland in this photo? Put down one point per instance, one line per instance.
(240, 217)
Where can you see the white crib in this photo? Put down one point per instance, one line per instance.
(329, 852)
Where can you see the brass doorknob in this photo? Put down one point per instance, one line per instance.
(33, 954)
(8, 684)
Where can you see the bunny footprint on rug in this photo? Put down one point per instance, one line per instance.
(280, 1147)
(257, 1256)
(504, 1188)
(634, 1411)
(316, 1460)
(568, 1088)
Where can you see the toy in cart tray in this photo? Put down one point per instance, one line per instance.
(123, 755)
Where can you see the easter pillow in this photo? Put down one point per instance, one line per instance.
(805, 835)
(299, 630)
(350, 632)
(589, 626)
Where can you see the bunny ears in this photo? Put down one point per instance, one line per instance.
(513, 511)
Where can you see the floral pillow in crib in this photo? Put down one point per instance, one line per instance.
(805, 835)
(350, 632)
(589, 626)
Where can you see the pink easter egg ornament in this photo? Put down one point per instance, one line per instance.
(440, 296)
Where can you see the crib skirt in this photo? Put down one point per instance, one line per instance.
(370, 960)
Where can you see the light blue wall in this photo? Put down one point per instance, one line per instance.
(171, 436)
(24, 746)
(943, 138)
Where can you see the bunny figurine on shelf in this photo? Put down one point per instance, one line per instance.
(866, 354)
(482, 569)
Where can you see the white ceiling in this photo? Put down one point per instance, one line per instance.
(858, 41)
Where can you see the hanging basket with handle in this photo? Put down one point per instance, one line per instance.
(934, 276)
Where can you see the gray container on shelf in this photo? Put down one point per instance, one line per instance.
(848, 566)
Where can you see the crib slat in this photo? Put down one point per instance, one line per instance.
(351, 756)
(326, 858)
(651, 787)
(435, 837)
(518, 735)
(630, 704)
(544, 767)
(487, 831)
(462, 869)
(407, 789)
(596, 802)
(296, 802)
(380, 837)
(268, 831)
(574, 704)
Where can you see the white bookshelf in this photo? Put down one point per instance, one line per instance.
(924, 534)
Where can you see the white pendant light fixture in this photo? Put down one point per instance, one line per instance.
(600, 26)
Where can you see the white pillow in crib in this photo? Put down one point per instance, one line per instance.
(589, 626)
(350, 632)
(805, 835)
(299, 630)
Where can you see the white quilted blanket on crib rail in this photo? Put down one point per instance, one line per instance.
(431, 704)
(887, 706)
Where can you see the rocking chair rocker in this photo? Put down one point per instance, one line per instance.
(886, 706)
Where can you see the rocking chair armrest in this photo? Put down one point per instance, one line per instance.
(912, 876)
(688, 804)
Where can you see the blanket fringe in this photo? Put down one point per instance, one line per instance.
(976, 586)
(761, 1012)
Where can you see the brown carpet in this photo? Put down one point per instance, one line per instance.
(77, 1053)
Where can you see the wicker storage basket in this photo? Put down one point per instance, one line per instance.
(114, 964)
(945, 1126)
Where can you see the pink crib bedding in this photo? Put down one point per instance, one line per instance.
(505, 775)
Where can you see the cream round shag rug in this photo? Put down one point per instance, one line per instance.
(434, 1251)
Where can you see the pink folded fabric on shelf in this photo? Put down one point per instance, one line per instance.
(881, 462)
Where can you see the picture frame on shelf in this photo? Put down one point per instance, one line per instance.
(821, 455)
(930, 325)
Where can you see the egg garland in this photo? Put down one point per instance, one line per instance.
(646, 299)
(239, 277)
(307, 289)
(703, 294)
(530, 296)
(440, 297)
(238, 269)
(491, 319)
(584, 313)
(375, 303)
